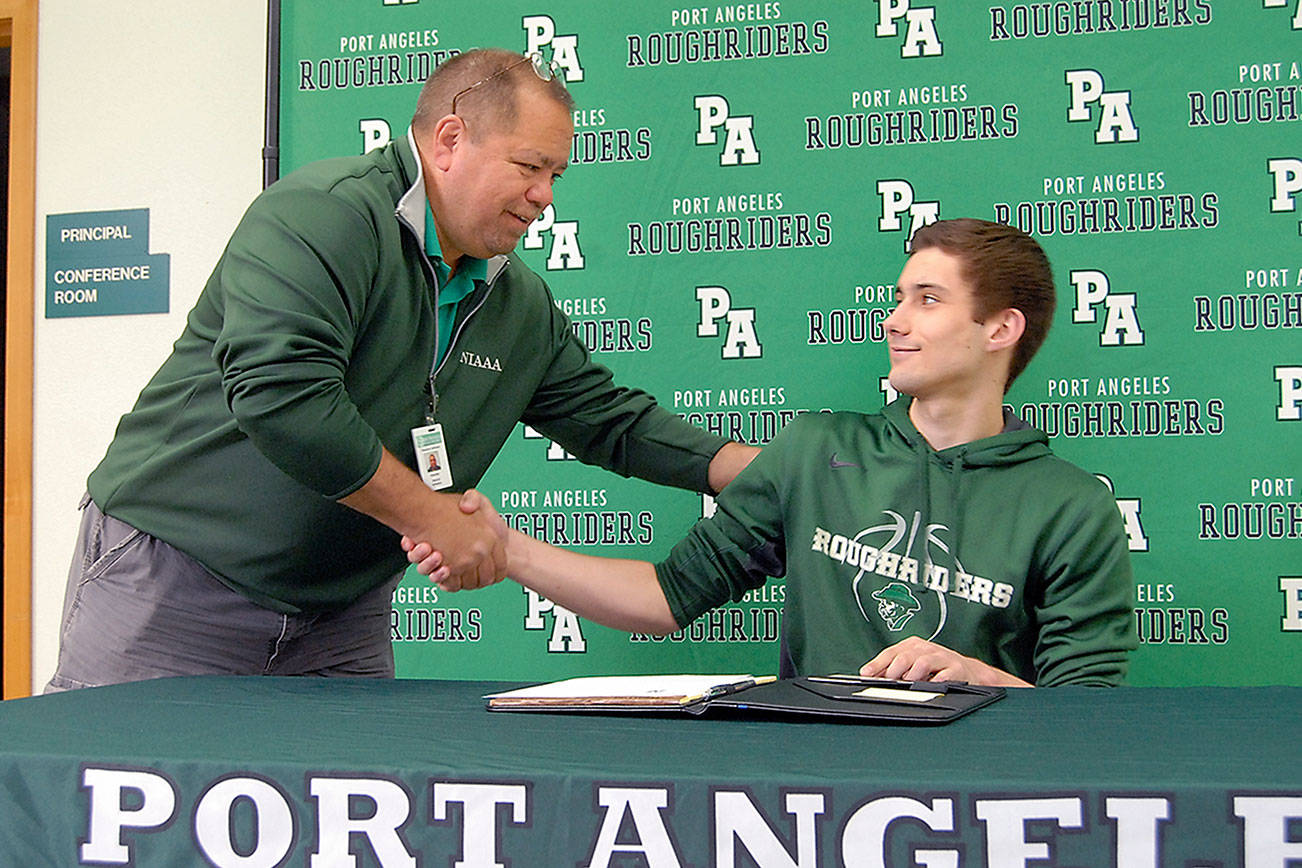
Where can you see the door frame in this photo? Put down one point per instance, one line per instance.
(18, 27)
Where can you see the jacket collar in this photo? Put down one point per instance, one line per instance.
(411, 206)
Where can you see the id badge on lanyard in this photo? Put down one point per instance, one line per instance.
(431, 449)
(432, 456)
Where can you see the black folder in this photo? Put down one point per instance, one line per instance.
(831, 698)
(850, 698)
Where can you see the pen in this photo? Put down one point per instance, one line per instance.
(737, 687)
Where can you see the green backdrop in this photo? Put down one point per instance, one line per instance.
(743, 184)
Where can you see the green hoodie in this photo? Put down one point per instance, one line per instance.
(310, 347)
(996, 549)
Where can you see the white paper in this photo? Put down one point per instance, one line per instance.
(681, 687)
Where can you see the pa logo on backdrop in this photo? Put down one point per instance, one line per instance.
(565, 632)
(1129, 507)
(540, 33)
(898, 198)
(1116, 124)
(920, 36)
(713, 111)
(1291, 588)
(741, 340)
(1289, 378)
(1286, 179)
(1120, 323)
(564, 253)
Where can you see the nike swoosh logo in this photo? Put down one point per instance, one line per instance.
(836, 465)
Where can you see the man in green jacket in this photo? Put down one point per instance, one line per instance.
(362, 350)
(937, 539)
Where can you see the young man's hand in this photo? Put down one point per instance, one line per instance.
(916, 659)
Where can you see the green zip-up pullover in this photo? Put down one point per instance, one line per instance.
(996, 549)
(311, 346)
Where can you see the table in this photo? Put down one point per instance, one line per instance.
(298, 771)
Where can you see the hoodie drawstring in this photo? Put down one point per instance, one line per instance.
(956, 476)
(957, 472)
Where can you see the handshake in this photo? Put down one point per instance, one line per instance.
(474, 554)
(461, 543)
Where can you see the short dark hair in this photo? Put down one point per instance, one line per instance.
(1006, 268)
(493, 102)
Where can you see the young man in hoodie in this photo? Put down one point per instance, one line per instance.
(937, 539)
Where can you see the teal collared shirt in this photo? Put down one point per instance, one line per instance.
(451, 289)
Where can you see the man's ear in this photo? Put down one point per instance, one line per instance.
(449, 132)
(1005, 328)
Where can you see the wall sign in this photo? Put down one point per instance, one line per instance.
(97, 263)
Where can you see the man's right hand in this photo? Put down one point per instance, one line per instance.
(472, 542)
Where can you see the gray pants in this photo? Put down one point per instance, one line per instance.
(137, 608)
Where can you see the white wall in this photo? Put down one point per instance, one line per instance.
(140, 104)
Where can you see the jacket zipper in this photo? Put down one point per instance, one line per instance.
(433, 275)
(488, 288)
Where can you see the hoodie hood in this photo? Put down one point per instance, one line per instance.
(1018, 441)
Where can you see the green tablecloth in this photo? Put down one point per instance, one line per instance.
(267, 771)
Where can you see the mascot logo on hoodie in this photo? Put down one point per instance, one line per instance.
(896, 604)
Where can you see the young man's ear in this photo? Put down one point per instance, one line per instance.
(1005, 328)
